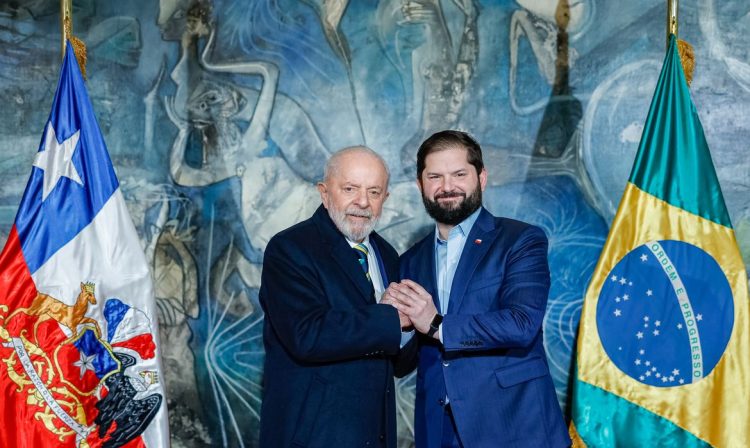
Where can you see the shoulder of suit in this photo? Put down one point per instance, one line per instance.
(419, 245)
(514, 228)
(303, 234)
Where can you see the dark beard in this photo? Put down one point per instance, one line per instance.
(453, 216)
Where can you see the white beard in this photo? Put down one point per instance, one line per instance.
(353, 232)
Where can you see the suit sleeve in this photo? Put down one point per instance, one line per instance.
(522, 299)
(407, 358)
(306, 324)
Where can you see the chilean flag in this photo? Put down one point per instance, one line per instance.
(78, 327)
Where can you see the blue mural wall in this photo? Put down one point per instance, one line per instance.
(219, 116)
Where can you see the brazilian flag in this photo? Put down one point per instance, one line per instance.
(663, 355)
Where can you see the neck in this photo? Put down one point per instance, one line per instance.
(444, 230)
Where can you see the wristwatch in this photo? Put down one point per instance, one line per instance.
(435, 324)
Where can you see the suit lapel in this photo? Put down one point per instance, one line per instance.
(426, 275)
(478, 243)
(388, 273)
(343, 254)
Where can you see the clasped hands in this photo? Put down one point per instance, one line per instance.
(414, 304)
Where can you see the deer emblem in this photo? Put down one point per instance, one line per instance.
(46, 307)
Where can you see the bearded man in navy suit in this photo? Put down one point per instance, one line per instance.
(476, 290)
(328, 378)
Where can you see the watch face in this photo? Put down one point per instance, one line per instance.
(436, 321)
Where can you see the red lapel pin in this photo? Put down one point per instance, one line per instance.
(477, 241)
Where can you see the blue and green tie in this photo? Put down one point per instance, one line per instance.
(362, 252)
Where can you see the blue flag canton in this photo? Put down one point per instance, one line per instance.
(72, 177)
(665, 313)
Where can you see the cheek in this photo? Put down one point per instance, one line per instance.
(377, 207)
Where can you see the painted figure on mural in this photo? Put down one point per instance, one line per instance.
(162, 217)
(475, 288)
(443, 57)
(209, 107)
(330, 345)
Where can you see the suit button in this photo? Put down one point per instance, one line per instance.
(382, 436)
(446, 363)
(441, 402)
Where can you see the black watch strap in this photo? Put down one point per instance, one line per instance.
(435, 324)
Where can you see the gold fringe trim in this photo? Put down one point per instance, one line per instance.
(687, 57)
(79, 48)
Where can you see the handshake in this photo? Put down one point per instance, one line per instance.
(414, 304)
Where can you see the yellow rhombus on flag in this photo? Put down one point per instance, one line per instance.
(663, 356)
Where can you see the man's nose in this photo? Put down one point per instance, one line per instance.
(362, 199)
(447, 185)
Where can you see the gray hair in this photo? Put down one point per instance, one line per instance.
(332, 165)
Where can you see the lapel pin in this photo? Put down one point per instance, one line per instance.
(477, 241)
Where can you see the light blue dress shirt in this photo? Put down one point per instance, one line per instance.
(447, 255)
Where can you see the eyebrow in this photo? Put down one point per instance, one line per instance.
(433, 173)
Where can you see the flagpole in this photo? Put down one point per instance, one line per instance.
(66, 22)
(672, 6)
(66, 26)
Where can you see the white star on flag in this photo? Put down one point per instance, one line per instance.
(644, 257)
(649, 293)
(618, 313)
(675, 372)
(639, 335)
(613, 278)
(56, 160)
(622, 280)
(699, 317)
(625, 297)
(85, 363)
(656, 332)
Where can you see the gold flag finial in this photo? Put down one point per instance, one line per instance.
(684, 49)
(66, 24)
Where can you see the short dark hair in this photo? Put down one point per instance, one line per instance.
(450, 139)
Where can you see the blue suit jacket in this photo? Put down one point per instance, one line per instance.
(328, 379)
(492, 363)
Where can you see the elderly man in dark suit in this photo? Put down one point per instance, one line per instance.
(328, 378)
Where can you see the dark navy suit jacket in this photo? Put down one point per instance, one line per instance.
(328, 378)
(492, 363)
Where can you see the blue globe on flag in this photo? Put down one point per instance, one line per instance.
(665, 313)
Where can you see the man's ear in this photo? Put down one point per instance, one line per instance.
(483, 178)
(323, 190)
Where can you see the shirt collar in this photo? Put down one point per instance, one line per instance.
(463, 228)
(366, 242)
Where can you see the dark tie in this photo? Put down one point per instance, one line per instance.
(361, 251)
